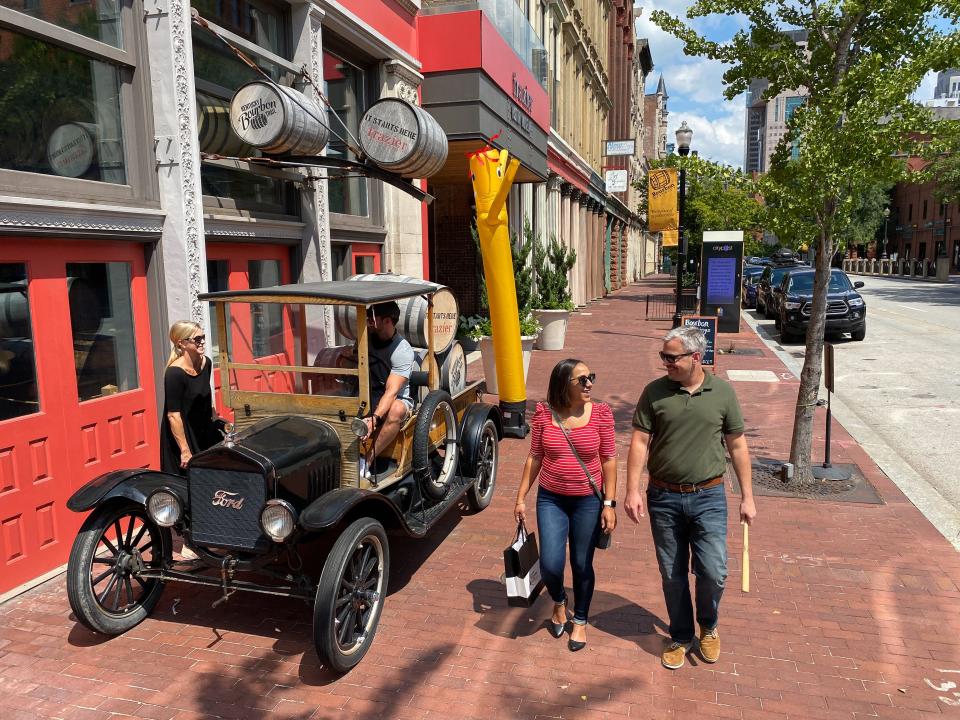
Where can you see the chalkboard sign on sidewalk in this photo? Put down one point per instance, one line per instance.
(708, 325)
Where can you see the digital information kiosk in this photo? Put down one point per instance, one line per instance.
(721, 265)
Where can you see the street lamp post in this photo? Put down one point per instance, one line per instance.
(886, 219)
(684, 135)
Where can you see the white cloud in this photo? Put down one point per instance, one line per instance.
(717, 137)
(927, 87)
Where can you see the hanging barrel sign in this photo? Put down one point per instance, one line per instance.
(278, 119)
(403, 138)
(413, 314)
(214, 132)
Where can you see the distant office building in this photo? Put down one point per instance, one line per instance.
(765, 119)
(948, 84)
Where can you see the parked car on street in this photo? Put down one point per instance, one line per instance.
(749, 277)
(846, 309)
(767, 284)
(281, 507)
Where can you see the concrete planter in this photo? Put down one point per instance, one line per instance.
(554, 332)
(490, 364)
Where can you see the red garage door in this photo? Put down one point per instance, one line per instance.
(76, 389)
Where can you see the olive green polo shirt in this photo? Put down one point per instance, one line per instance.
(686, 428)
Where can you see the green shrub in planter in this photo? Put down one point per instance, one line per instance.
(553, 263)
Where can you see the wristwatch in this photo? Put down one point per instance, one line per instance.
(610, 503)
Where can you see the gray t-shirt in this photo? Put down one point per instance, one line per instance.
(395, 358)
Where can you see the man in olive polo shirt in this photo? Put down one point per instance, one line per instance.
(678, 426)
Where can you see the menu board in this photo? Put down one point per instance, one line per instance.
(707, 324)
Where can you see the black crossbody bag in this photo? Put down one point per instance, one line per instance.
(603, 539)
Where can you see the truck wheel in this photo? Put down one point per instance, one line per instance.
(435, 444)
(860, 333)
(488, 460)
(350, 595)
(104, 587)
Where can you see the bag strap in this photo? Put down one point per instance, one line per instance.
(566, 435)
(522, 532)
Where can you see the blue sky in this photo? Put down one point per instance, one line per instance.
(695, 85)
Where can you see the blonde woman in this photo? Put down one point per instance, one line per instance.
(187, 426)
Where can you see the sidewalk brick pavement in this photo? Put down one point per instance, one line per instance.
(853, 612)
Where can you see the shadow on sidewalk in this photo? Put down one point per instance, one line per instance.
(619, 617)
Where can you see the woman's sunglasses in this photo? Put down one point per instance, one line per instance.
(584, 379)
(198, 340)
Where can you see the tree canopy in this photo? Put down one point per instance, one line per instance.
(857, 69)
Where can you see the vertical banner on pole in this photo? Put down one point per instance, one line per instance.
(662, 213)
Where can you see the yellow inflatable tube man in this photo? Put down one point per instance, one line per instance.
(492, 172)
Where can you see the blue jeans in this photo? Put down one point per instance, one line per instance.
(577, 518)
(682, 522)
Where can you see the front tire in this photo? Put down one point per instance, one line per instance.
(435, 444)
(480, 493)
(860, 333)
(350, 595)
(103, 585)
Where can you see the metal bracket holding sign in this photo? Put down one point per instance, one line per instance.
(707, 324)
(614, 148)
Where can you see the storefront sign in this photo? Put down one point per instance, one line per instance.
(616, 180)
(520, 118)
(621, 147)
(70, 149)
(522, 95)
(707, 324)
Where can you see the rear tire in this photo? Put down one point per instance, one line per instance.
(435, 449)
(350, 594)
(103, 585)
(488, 461)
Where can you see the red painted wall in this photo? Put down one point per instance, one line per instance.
(388, 19)
(467, 40)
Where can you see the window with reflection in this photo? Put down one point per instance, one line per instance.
(218, 276)
(266, 318)
(61, 111)
(345, 88)
(101, 321)
(97, 19)
(261, 23)
(239, 190)
(18, 369)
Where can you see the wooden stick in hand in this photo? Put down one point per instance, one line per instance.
(745, 563)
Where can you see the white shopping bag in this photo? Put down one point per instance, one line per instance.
(521, 564)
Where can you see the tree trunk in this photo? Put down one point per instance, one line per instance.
(801, 445)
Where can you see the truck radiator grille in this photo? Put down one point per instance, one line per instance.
(225, 508)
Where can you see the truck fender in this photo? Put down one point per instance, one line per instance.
(331, 507)
(470, 426)
(134, 485)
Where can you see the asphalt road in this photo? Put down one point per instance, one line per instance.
(899, 389)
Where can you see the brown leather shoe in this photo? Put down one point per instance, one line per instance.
(674, 654)
(709, 645)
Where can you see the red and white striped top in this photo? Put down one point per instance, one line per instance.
(595, 442)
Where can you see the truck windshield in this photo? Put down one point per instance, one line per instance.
(803, 284)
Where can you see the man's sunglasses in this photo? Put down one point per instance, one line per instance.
(584, 379)
(672, 359)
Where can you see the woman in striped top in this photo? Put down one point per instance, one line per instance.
(567, 507)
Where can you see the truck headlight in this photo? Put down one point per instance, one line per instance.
(790, 305)
(855, 302)
(164, 507)
(278, 520)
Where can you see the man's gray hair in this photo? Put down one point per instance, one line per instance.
(692, 338)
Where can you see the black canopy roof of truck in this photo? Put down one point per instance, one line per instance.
(340, 292)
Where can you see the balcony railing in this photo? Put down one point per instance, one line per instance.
(510, 22)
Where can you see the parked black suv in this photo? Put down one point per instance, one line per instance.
(846, 310)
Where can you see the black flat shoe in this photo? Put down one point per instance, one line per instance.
(576, 645)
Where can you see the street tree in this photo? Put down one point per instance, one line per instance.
(858, 69)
